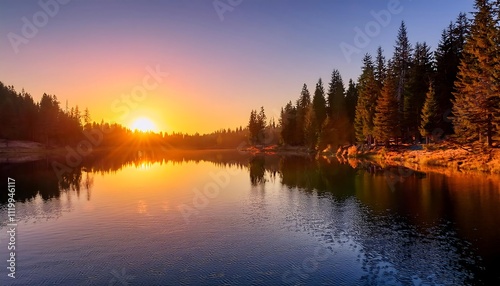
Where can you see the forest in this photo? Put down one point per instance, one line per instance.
(416, 96)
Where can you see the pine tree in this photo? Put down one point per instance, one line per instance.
(253, 127)
(401, 62)
(310, 134)
(400, 67)
(261, 126)
(447, 57)
(386, 122)
(303, 104)
(288, 123)
(430, 115)
(77, 115)
(368, 92)
(476, 101)
(86, 117)
(421, 73)
(49, 118)
(380, 67)
(336, 91)
(336, 130)
(319, 108)
(461, 32)
(351, 100)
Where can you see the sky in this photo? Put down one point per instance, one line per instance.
(199, 66)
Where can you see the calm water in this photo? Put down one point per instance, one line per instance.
(223, 218)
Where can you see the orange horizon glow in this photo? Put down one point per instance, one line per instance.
(144, 124)
(177, 63)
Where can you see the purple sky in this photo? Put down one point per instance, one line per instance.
(220, 64)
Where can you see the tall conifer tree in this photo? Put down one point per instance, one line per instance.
(476, 101)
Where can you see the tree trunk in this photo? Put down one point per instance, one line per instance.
(489, 132)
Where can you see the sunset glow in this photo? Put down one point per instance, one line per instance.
(144, 124)
(196, 142)
(192, 63)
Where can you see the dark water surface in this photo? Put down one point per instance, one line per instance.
(223, 218)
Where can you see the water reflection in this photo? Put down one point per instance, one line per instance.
(398, 227)
(39, 178)
(405, 226)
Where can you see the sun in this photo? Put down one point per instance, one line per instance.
(143, 124)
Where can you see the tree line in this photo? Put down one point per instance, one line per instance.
(417, 94)
(21, 118)
(46, 122)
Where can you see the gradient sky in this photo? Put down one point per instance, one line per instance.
(90, 53)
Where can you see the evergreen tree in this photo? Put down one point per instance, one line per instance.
(319, 104)
(288, 123)
(77, 115)
(311, 136)
(262, 118)
(86, 118)
(386, 121)
(253, 127)
(49, 115)
(380, 67)
(336, 130)
(303, 104)
(400, 67)
(351, 98)
(401, 62)
(461, 32)
(368, 92)
(28, 113)
(421, 73)
(261, 126)
(476, 101)
(336, 91)
(430, 115)
(447, 56)
(319, 109)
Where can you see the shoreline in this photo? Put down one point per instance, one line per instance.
(442, 157)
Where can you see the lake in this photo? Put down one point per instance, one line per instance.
(226, 218)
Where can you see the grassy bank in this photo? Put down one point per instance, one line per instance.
(444, 155)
